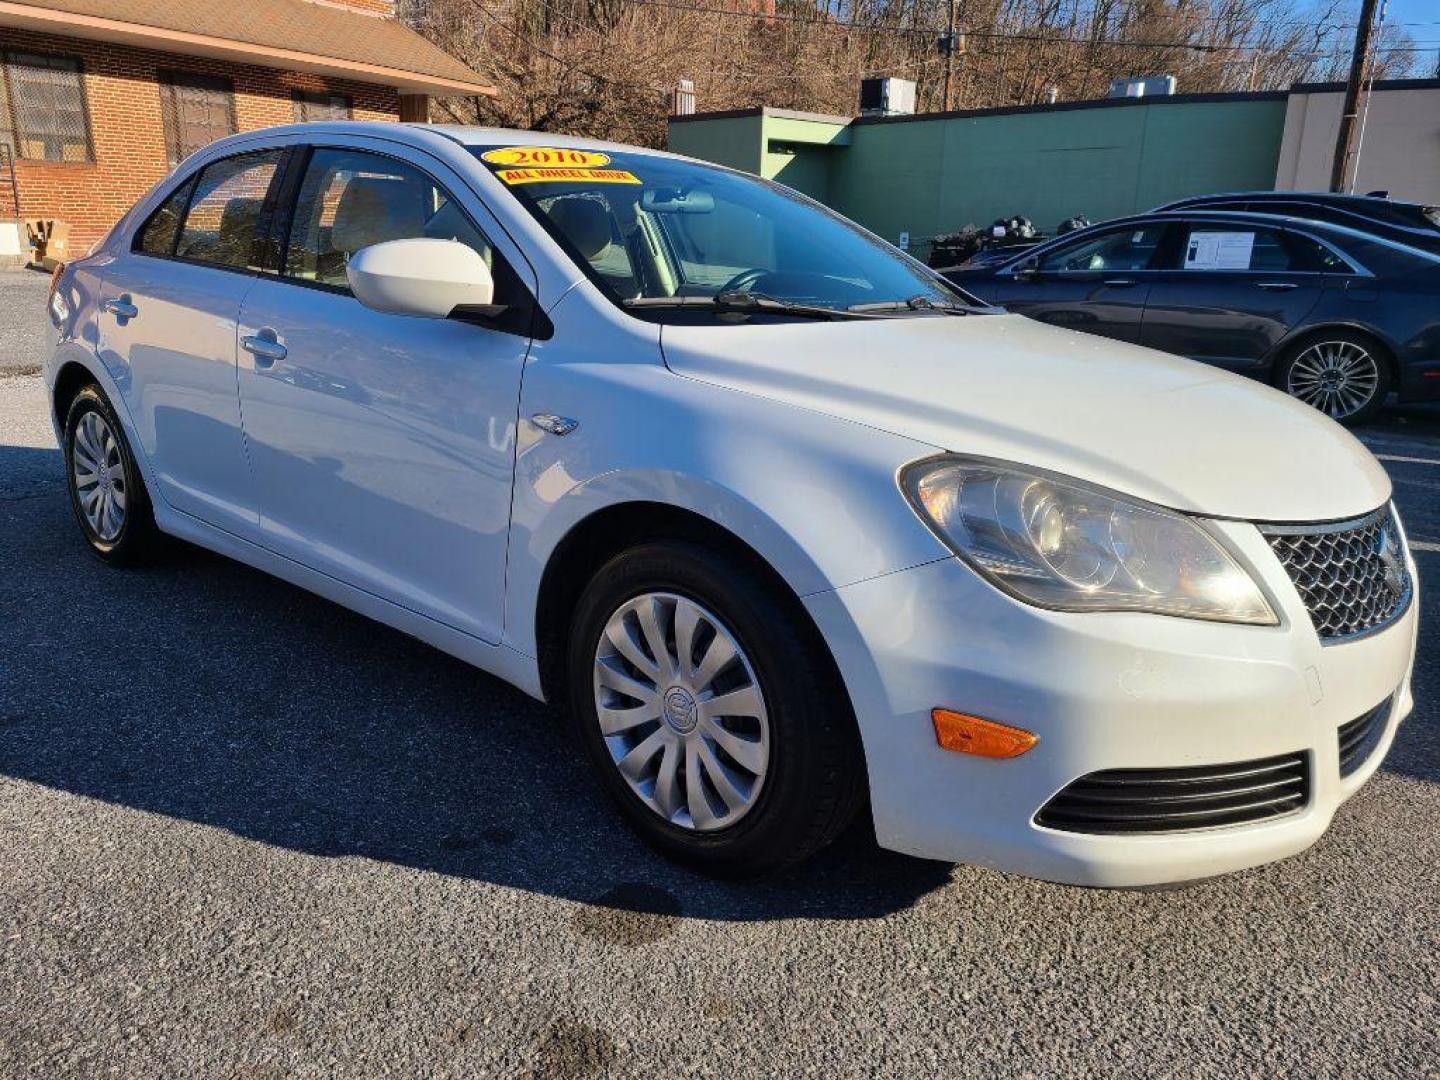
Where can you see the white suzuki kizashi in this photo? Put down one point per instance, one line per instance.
(780, 518)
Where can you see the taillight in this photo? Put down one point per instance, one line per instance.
(54, 302)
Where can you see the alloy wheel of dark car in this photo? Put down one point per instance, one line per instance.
(1340, 374)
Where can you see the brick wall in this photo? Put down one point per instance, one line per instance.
(127, 133)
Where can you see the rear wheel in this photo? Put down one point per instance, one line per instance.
(1340, 373)
(106, 491)
(709, 712)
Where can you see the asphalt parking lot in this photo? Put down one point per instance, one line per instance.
(244, 832)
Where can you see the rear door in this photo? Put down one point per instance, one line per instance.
(166, 333)
(1097, 283)
(1228, 292)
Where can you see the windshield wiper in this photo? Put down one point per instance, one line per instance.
(746, 303)
(919, 302)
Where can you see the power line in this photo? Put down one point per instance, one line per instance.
(935, 31)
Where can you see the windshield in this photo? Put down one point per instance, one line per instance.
(651, 230)
(1433, 213)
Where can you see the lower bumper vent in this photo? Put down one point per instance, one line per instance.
(1179, 800)
(1360, 736)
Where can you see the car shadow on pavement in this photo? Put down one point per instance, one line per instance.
(200, 689)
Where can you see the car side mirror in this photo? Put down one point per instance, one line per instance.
(1028, 269)
(421, 276)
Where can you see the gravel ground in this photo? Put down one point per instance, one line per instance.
(244, 832)
(22, 320)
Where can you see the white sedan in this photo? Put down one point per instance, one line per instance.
(784, 522)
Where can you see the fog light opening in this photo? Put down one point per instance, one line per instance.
(984, 738)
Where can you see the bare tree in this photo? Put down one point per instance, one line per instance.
(605, 67)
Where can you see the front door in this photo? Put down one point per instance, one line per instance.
(1229, 293)
(382, 445)
(166, 334)
(1098, 283)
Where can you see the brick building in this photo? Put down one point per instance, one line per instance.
(100, 98)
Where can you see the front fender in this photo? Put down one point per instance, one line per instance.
(813, 495)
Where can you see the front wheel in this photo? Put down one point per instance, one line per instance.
(1341, 374)
(710, 711)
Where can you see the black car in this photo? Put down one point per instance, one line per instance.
(1336, 317)
(1403, 222)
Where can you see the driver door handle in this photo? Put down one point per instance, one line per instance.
(265, 348)
(1119, 283)
(121, 309)
(1277, 286)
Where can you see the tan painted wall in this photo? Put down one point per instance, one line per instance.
(1401, 151)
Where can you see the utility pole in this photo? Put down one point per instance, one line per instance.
(1350, 110)
(950, 47)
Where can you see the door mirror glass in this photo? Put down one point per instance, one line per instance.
(425, 277)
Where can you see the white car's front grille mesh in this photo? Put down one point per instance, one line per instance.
(1352, 575)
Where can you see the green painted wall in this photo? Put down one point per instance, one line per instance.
(933, 176)
(735, 141)
(802, 153)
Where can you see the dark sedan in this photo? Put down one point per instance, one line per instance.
(1336, 317)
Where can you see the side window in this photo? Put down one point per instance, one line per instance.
(350, 200)
(1123, 249)
(158, 235)
(1308, 254)
(224, 213)
(1216, 247)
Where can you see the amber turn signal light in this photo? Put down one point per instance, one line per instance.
(985, 738)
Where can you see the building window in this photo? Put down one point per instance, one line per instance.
(310, 106)
(42, 108)
(196, 110)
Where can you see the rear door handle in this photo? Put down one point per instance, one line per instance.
(1277, 286)
(121, 309)
(1119, 283)
(265, 347)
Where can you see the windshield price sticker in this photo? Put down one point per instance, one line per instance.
(588, 176)
(543, 156)
(1219, 251)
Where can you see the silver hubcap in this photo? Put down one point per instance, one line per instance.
(681, 711)
(99, 476)
(1336, 377)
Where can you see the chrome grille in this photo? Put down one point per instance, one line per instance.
(1351, 574)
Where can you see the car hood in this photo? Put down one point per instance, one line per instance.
(1168, 430)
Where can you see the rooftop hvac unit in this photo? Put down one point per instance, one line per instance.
(887, 97)
(1154, 86)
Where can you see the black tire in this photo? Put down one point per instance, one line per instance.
(815, 778)
(1292, 377)
(137, 539)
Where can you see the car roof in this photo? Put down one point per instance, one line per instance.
(1357, 200)
(422, 135)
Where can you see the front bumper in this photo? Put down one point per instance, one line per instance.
(1102, 691)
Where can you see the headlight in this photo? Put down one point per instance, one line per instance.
(1063, 544)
